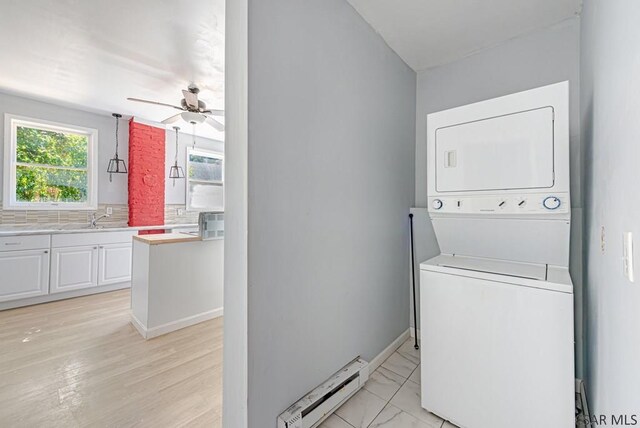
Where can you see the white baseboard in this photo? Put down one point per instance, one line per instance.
(386, 353)
(11, 304)
(139, 326)
(413, 332)
(149, 333)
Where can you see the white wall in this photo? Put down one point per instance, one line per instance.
(610, 108)
(540, 58)
(177, 194)
(236, 364)
(108, 192)
(331, 181)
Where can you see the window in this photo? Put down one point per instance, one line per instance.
(205, 180)
(49, 165)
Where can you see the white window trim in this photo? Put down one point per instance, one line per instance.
(9, 202)
(203, 152)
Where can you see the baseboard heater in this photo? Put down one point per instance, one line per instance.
(319, 404)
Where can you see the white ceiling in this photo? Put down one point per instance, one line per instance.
(95, 54)
(428, 33)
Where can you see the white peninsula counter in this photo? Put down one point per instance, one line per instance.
(177, 281)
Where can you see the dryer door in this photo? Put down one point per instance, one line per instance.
(513, 151)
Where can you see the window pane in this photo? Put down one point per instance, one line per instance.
(205, 196)
(37, 184)
(51, 148)
(205, 168)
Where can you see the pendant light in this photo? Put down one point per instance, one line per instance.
(176, 171)
(116, 165)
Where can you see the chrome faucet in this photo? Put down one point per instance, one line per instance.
(95, 220)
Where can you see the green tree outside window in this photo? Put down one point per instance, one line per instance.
(51, 166)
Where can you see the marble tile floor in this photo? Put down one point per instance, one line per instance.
(390, 398)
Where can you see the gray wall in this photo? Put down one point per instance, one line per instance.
(331, 181)
(611, 138)
(536, 59)
(114, 192)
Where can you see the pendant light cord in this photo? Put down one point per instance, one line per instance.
(117, 123)
(193, 133)
(176, 156)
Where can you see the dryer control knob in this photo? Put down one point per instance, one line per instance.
(551, 203)
(437, 204)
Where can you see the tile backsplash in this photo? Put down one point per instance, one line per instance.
(29, 217)
(171, 215)
(120, 216)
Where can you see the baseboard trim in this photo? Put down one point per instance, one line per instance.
(46, 298)
(149, 333)
(413, 332)
(139, 326)
(388, 351)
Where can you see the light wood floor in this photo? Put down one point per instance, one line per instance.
(80, 363)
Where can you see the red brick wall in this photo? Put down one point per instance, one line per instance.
(146, 174)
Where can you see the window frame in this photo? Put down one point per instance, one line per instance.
(9, 200)
(207, 153)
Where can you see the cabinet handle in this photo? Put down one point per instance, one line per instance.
(11, 243)
(95, 248)
(101, 246)
(46, 251)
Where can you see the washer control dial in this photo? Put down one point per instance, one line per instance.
(552, 203)
(437, 204)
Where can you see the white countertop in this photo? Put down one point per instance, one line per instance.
(20, 230)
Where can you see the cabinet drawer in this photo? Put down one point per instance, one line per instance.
(30, 242)
(92, 238)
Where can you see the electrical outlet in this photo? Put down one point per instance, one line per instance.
(602, 240)
(109, 210)
(180, 211)
(627, 255)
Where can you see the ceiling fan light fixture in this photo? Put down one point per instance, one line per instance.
(192, 109)
(116, 165)
(189, 116)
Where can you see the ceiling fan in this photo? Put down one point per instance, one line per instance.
(193, 110)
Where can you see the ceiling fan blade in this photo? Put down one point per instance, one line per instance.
(154, 102)
(212, 122)
(219, 113)
(190, 98)
(172, 119)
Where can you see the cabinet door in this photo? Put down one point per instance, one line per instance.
(115, 264)
(24, 274)
(73, 268)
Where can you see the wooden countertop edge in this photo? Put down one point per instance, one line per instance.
(169, 239)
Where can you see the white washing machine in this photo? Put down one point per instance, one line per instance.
(496, 306)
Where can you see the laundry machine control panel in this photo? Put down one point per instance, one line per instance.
(536, 203)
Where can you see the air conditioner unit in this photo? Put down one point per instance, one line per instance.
(319, 404)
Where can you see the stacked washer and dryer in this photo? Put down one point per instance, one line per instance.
(497, 303)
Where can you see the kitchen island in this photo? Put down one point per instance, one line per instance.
(177, 281)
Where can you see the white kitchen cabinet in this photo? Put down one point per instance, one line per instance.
(24, 274)
(114, 265)
(74, 268)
